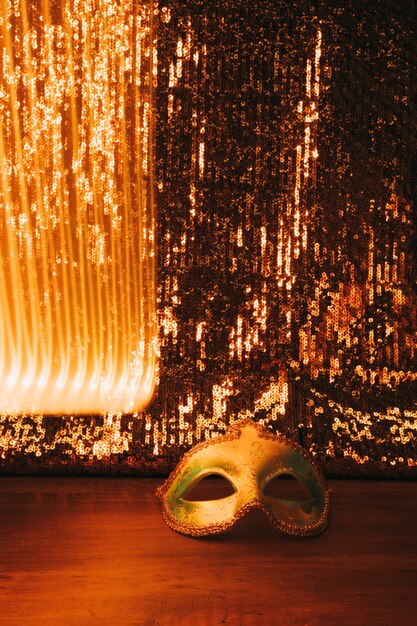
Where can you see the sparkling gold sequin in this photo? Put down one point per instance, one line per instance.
(286, 165)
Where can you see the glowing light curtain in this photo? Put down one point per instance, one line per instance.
(77, 225)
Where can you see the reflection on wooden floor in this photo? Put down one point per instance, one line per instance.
(87, 551)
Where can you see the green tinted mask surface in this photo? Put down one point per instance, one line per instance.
(249, 457)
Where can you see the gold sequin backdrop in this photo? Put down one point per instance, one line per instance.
(286, 156)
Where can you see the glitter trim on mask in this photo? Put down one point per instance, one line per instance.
(249, 457)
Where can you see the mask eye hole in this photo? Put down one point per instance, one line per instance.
(210, 487)
(287, 487)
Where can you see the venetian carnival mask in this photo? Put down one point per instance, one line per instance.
(249, 457)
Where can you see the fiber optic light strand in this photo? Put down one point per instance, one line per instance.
(77, 277)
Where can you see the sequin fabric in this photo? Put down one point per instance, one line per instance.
(287, 251)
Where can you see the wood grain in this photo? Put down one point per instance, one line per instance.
(89, 551)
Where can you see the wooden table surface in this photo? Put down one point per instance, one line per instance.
(96, 551)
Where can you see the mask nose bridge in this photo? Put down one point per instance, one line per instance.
(249, 487)
(258, 473)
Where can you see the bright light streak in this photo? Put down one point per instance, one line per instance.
(77, 223)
